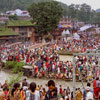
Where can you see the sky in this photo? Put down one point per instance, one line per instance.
(95, 4)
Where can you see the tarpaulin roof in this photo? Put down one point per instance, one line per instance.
(64, 26)
(86, 27)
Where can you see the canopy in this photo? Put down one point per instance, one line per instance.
(76, 36)
(65, 32)
(86, 27)
(65, 26)
(60, 26)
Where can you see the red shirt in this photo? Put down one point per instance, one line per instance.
(61, 90)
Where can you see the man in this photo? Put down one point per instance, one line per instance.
(52, 92)
(88, 88)
(95, 87)
(89, 94)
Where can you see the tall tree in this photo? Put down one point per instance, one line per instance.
(46, 15)
(97, 17)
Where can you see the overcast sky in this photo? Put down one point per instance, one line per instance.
(95, 4)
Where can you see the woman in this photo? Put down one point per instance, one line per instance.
(16, 92)
(2, 95)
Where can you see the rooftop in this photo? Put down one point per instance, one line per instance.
(20, 23)
(7, 32)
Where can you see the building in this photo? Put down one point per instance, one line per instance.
(8, 35)
(3, 18)
(25, 29)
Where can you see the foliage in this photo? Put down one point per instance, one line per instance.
(15, 66)
(78, 12)
(13, 17)
(46, 15)
(20, 23)
(6, 31)
(15, 79)
(15, 4)
(97, 17)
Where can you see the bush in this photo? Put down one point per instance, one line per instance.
(15, 79)
(15, 66)
(9, 64)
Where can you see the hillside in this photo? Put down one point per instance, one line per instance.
(21, 4)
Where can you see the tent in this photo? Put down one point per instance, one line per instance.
(67, 32)
(85, 27)
(64, 33)
(60, 26)
(76, 36)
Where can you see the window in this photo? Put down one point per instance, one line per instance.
(30, 29)
(22, 29)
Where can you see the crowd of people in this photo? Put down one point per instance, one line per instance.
(87, 41)
(32, 91)
(46, 62)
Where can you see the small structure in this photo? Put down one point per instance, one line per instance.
(8, 35)
(3, 18)
(65, 34)
(18, 12)
(25, 29)
(86, 27)
(27, 70)
(76, 36)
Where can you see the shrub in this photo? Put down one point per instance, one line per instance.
(15, 79)
(15, 66)
(18, 67)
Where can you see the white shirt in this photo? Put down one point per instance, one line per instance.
(89, 96)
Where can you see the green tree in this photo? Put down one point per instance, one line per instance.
(84, 13)
(13, 17)
(46, 15)
(97, 17)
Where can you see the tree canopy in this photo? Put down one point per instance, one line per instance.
(46, 15)
(81, 12)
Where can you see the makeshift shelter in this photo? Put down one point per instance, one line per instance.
(76, 36)
(65, 34)
(85, 27)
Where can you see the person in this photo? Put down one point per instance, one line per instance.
(2, 94)
(78, 94)
(27, 94)
(16, 91)
(52, 92)
(98, 88)
(95, 88)
(6, 94)
(89, 95)
(5, 85)
(87, 89)
(34, 94)
(60, 89)
(22, 94)
(24, 83)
